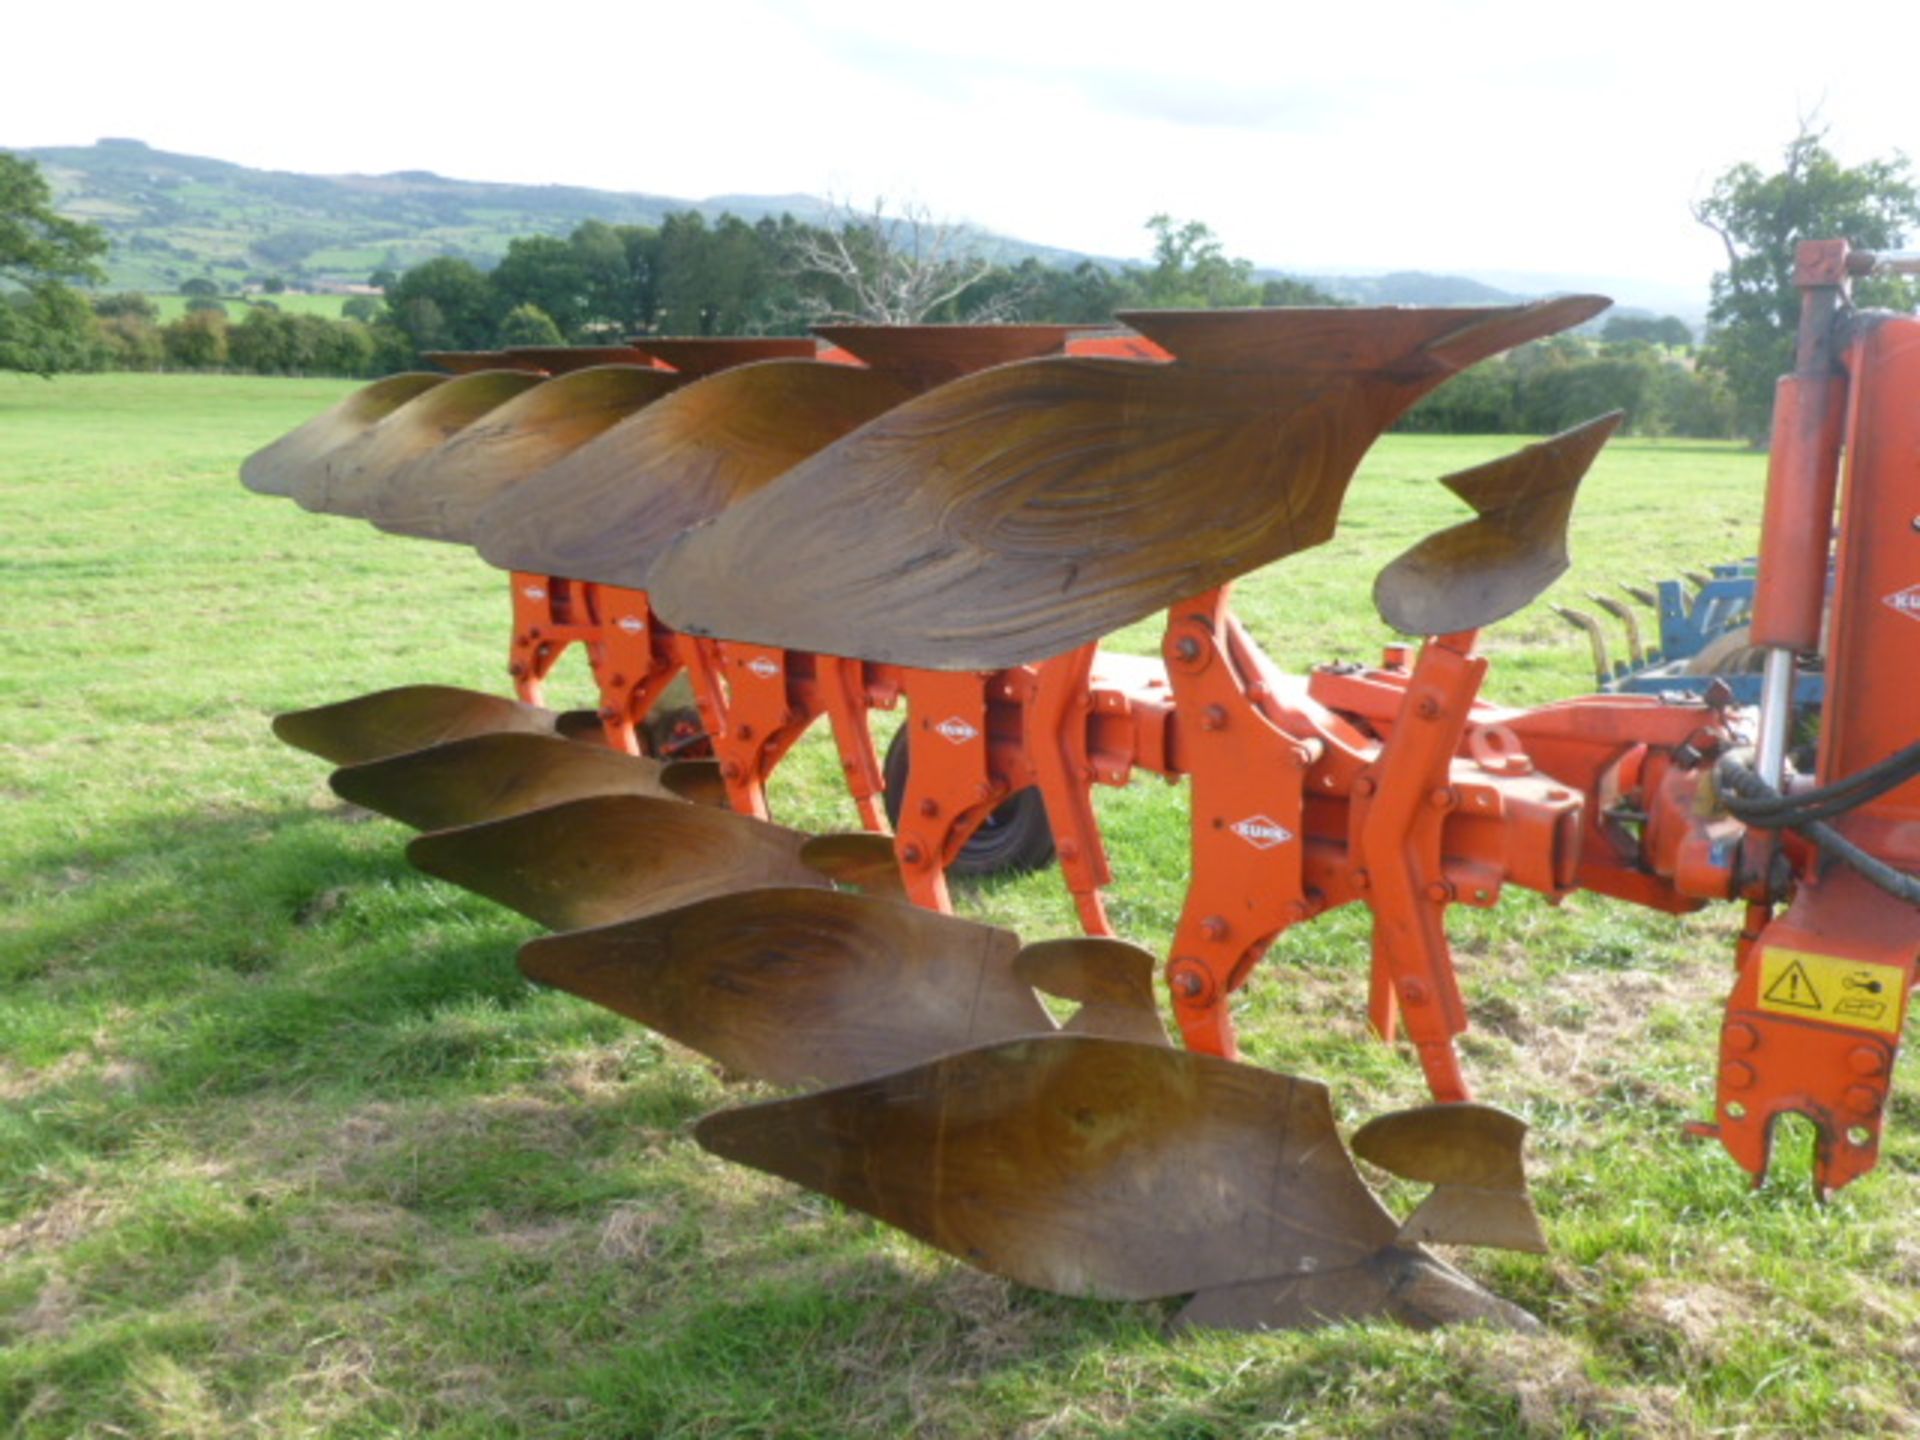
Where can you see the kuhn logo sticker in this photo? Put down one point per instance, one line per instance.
(955, 729)
(534, 592)
(1906, 601)
(1262, 833)
(763, 667)
(632, 624)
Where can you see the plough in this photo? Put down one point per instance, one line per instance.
(1016, 495)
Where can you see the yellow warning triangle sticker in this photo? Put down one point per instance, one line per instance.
(1794, 988)
(1832, 989)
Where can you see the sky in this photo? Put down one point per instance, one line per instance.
(1481, 136)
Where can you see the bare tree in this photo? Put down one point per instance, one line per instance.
(894, 268)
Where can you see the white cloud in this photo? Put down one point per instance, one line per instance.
(1485, 135)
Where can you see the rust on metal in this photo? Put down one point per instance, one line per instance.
(858, 859)
(1402, 1283)
(613, 857)
(702, 355)
(491, 776)
(927, 355)
(1470, 1154)
(438, 495)
(565, 359)
(1504, 558)
(1111, 980)
(408, 717)
(349, 476)
(1068, 1163)
(275, 469)
(604, 512)
(472, 362)
(1017, 513)
(800, 986)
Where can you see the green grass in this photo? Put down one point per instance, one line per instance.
(172, 307)
(287, 1147)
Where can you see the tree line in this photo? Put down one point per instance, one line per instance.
(605, 283)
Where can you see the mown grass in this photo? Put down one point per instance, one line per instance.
(288, 1147)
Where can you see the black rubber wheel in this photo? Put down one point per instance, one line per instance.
(1016, 837)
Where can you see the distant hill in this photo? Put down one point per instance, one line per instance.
(173, 217)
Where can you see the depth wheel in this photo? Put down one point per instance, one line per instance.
(1014, 838)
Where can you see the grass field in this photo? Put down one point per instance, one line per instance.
(172, 307)
(288, 1147)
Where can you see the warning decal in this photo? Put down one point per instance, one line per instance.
(1824, 987)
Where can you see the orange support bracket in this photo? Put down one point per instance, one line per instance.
(550, 613)
(1399, 815)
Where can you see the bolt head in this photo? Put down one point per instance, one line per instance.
(1741, 1039)
(1214, 927)
(1736, 1075)
(929, 807)
(1414, 992)
(1187, 648)
(1865, 1060)
(1862, 1099)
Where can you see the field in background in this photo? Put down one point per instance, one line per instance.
(172, 307)
(288, 1147)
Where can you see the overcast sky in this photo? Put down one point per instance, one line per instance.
(1481, 136)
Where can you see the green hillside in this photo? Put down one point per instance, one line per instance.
(172, 217)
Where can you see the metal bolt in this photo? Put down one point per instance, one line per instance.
(1363, 786)
(1865, 1060)
(1428, 708)
(1742, 1039)
(1188, 648)
(1067, 850)
(929, 807)
(618, 680)
(745, 732)
(1440, 798)
(911, 853)
(1736, 1075)
(1214, 927)
(1214, 717)
(1414, 992)
(730, 769)
(1190, 981)
(1440, 892)
(1361, 880)
(1862, 1099)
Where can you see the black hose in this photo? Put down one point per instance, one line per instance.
(1750, 799)
(1769, 809)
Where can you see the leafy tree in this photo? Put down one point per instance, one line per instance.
(197, 341)
(126, 303)
(1760, 220)
(199, 286)
(1289, 291)
(200, 304)
(363, 308)
(274, 285)
(1191, 271)
(529, 325)
(443, 304)
(546, 274)
(1666, 330)
(44, 325)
